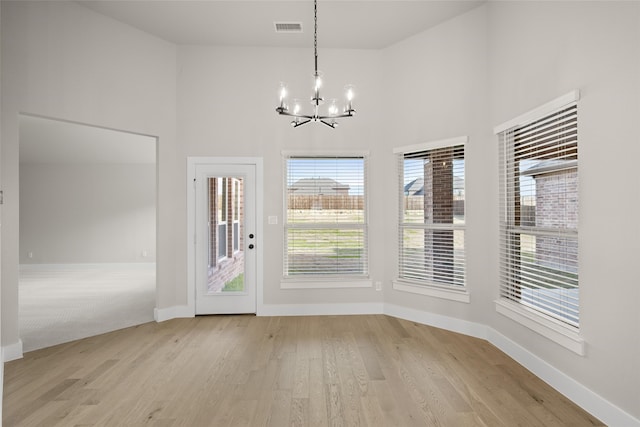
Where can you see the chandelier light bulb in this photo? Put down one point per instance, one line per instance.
(333, 108)
(300, 118)
(349, 93)
(283, 98)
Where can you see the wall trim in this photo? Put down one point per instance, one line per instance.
(1, 387)
(437, 320)
(174, 312)
(12, 351)
(548, 328)
(584, 397)
(320, 309)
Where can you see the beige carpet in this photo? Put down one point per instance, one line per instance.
(62, 303)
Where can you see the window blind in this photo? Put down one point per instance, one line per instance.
(539, 214)
(432, 216)
(326, 216)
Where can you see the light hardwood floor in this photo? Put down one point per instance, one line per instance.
(280, 371)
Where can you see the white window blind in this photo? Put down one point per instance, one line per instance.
(539, 214)
(432, 216)
(326, 216)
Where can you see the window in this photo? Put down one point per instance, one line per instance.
(325, 229)
(236, 201)
(432, 215)
(222, 216)
(539, 211)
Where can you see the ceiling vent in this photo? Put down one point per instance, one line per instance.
(288, 27)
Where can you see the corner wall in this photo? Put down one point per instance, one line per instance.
(437, 83)
(537, 52)
(494, 63)
(64, 61)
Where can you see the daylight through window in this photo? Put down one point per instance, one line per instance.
(432, 217)
(326, 216)
(539, 214)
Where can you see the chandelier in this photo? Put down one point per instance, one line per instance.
(333, 111)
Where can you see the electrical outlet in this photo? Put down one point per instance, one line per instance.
(378, 286)
(30, 254)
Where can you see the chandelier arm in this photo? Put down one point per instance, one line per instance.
(331, 125)
(302, 116)
(328, 120)
(301, 123)
(337, 116)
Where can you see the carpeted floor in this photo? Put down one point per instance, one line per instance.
(62, 303)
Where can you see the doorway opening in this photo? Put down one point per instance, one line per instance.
(87, 230)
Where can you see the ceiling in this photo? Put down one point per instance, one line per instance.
(344, 24)
(53, 141)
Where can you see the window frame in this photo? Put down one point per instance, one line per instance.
(423, 287)
(547, 324)
(222, 206)
(311, 281)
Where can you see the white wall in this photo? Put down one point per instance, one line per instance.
(63, 61)
(490, 65)
(460, 78)
(226, 107)
(539, 51)
(98, 213)
(436, 85)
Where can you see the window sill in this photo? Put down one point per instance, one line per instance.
(461, 295)
(556, 331)
(325, 284)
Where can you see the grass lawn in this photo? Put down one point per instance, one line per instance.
(235, 285)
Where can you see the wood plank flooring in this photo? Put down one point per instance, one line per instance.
(280, 371)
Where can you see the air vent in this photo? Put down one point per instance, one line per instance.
(288, 27)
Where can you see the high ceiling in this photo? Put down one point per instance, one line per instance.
(343, 24)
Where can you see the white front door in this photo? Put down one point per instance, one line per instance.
(225, 238)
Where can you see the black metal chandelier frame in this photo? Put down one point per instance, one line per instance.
(316, 100)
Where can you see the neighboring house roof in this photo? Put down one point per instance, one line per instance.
(326, 186)
(547, 166)
(416, 187)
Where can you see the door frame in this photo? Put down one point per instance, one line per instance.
(192, 164)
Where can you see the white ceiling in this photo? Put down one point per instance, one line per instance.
(53, 141)
(345, 24)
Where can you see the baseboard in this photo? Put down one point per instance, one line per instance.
(590, 401)
(1, 389)
(437, 320)
(181, 311)
(175, 312)
(320, 309)
(578, 393)
(12, 351)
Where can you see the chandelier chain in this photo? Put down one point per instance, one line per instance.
(333, 113)
(315, 33)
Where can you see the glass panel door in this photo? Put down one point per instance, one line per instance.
(225, 239)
